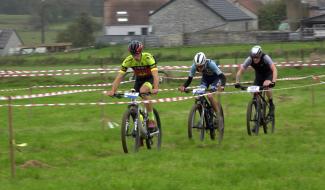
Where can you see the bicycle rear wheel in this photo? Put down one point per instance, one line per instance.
(154, 139)
(270, 122)
(196, 122)
(129, 134)
(253, 117)
(218, 124)
(264, 117)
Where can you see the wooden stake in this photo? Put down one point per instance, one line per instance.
(11, 140)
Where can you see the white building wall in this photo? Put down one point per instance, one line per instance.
(13, 42)
(124, 30)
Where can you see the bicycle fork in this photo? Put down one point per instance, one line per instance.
(202, 118)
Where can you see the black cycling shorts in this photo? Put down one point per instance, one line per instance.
(259, 79)
(140, 81)
(213, 80)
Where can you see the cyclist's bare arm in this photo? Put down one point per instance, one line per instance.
(239, 73)
(275, 73)
(154, 73)
(116, 83)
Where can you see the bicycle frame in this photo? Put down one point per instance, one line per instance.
(262, 117)
(204, 104)
(208, 120)
(135, 108)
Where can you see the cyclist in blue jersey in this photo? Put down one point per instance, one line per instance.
(265, 71)
(211, 76)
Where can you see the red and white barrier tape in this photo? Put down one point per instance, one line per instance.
(53, 74)
(14, 89)
(7, 73)
(161, 100)
(172, 89)
(65, 85)
(20, 97)
(53, 71)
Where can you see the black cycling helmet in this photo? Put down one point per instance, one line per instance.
(135, 47)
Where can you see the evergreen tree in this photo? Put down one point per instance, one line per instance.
(271, 15)
(80, 33)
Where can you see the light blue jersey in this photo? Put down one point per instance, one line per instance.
(210, 68)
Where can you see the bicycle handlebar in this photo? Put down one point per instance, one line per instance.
(122, 95)
(260, 87)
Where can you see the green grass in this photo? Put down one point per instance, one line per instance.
(82, 153)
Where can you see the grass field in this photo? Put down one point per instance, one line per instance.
(80, 151)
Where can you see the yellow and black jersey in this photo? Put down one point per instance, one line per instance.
(141, 68)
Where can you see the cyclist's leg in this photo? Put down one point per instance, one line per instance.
(146, 88)
(266, 81)
(143, 86)
(214, 82)
(268, 93)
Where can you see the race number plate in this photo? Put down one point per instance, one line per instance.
(253, 89)
(131, 95)
(198, 91)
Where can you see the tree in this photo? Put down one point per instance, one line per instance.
(271, 15)
(57, 10)
(80, 33)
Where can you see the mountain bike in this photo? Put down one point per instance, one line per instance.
(258, 114)
(203, 119)
(134, 125)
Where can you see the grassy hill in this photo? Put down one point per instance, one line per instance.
(29, 35)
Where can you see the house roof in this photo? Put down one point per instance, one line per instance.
(226, 10)
(251, 5)
(137, 11)
(4, 37)
(316, 3)
(222, 8)
(320, 19)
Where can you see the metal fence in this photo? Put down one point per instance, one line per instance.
(216, 37)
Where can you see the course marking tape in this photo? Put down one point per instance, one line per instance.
(20, 97)
(60, 72)
(161, 100)
(53, 74)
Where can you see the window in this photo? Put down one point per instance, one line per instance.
(131, 33)
(122, 16)
(122, 19)
(121, 13)
(144, 31)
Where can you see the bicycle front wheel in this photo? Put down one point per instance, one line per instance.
(154, 139)
(253, 118)
(130, 134)
(196, 122)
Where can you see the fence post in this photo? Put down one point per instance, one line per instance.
(11, 140)
(302, 56)
(236, 57)
(286, 54)
(316, 80)
(30, 101)
(102, 107)
(312, 96)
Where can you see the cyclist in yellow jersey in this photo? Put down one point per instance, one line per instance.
(146, 76)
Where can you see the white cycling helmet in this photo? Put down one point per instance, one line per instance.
(256, 51)
(199, 58)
